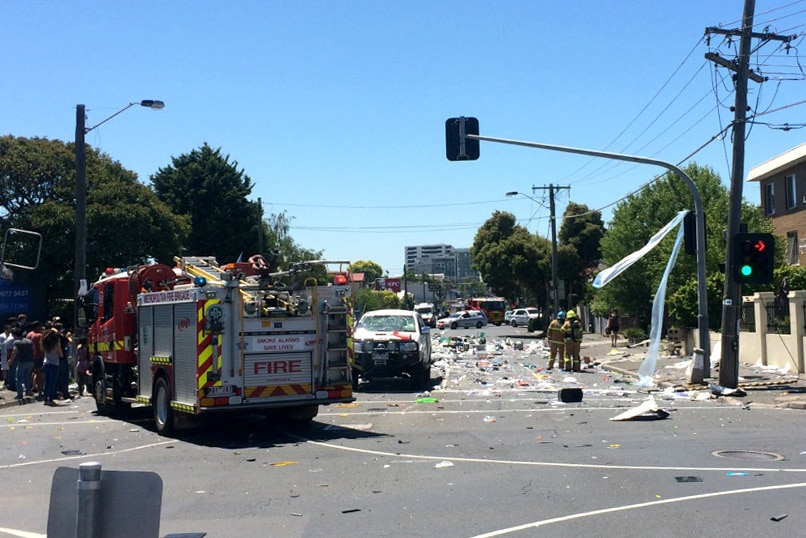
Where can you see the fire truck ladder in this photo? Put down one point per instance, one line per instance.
(203, 266)
(336, 360)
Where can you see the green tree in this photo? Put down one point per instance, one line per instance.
(277, 237)
(366, 300)
(371, 270)
(512, 261)
(639, 217)
(126, 223)
(582, 230)
(211, 192)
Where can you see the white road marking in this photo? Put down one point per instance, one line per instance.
(570, 517)
(540, 463)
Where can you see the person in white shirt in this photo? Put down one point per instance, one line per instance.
(9, 370)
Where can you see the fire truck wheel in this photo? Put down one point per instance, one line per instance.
(99, 391)
(161, 405)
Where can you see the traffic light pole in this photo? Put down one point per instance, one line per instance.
(702, 295)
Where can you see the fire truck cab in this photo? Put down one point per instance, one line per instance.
(199, 338)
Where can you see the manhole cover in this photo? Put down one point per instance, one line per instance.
(747, 455)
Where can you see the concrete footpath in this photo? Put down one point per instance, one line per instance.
(759, 386)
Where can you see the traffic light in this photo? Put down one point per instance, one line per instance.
(457, 146)
(753, 258)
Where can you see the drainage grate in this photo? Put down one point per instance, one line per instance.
(756, 455)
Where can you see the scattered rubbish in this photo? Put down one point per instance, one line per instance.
(569, 395)
(688, 478)
(731, 473)
(443, 465)
(427, 400)
(614, 445)
(648, 410)
(725, 391)
(350, 510)
(73, 452)
(134, 430)
(250, 459)
(489, 419)
(282, 463)
(298, 514)
(779, 517)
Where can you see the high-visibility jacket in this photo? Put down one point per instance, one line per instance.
(556, 335)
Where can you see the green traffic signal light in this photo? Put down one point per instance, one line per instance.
(753, 258)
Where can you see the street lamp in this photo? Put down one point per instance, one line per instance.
(81, 194)
(554, 291)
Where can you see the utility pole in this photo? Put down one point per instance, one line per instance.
(260, 226)
(732, 297)
(555, 292)
(80, 275)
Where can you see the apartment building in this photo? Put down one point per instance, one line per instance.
(782, 181)
(453, 263)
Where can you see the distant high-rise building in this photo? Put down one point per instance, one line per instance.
(454, 263)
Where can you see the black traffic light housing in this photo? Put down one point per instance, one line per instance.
(457, 146)
(753, 258)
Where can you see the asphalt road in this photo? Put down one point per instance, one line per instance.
(478, 455)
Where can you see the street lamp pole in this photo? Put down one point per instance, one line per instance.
(81, 196)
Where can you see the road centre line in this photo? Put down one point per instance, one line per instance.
(536, 524)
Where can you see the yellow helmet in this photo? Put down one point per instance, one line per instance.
(570, 314)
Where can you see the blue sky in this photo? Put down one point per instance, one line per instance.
(336, 109)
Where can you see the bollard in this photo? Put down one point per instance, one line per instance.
(696, 373)
(89, 496)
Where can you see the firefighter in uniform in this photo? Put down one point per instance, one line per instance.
(556, 338)
(572, 329)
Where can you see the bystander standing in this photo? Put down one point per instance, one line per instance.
(7, 345)
(23, 355)
(83, 374)
(613, 326)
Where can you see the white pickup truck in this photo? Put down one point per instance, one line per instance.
(426, 310)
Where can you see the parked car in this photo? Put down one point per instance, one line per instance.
(507, 316)
(463, 319)
(521, 316)
(391, 343)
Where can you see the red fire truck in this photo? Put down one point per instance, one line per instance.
(200, 338)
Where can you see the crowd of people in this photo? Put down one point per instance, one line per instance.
(42, 360)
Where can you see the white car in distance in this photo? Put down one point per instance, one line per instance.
(521, 316)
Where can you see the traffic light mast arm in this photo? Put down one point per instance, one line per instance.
(702, 295)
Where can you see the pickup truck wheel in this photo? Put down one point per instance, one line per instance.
(161, 405)
(479, 325)
(420, 376)
(454, 325)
